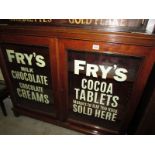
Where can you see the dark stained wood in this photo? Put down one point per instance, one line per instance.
(47, 42)
(147, 125)
(130, 50)
(141, 82)
(126, 25)
(59, 40)
(76, 33)
(6, 76)
(144, 115)
(3, 94)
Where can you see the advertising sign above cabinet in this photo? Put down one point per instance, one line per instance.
(110, 24)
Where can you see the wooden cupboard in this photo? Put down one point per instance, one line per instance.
(88, 80)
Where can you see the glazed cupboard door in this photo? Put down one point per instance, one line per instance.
(101, 84)
(29, 64)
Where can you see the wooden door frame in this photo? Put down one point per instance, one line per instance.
(148, 53)
(50, 43)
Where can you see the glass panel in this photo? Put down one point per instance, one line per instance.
(100, 86)
(29, 71)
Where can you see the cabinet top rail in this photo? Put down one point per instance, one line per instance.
(134, 38)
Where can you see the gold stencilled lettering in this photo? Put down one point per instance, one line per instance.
(78, 21)
(40, 20)
(71, 21)
(96, 21)
(35, 20)
(102, 22)
(81, 21)
(49, 20)
(88, 21)
(46, 20)
(29, 20)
